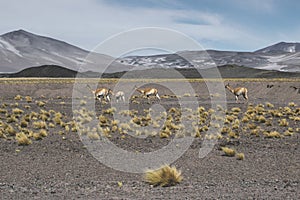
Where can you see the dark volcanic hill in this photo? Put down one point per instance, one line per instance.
(226, 71)
(43, 71)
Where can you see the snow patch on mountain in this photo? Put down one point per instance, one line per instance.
(6, 45)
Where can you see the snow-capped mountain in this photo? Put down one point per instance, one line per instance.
(21, 49)
(281, 47)
(281, 57)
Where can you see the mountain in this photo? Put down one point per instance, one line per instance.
(43, 71)
(281, 57)
(281, 47)
(21, 49)
(226, 71)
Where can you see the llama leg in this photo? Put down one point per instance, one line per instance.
(246, 96)
(236, 99)
(157, 96)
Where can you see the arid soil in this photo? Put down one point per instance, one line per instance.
(60, 166)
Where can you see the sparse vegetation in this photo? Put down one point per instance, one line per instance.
(240, 156)
(22, 139)
(164, 176)
(228, 151)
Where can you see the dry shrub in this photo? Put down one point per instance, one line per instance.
(252, 126)
(164, 176)
(83, 102)
(22, 139)
(261, 119)
(240, 156)
(18, 97)
(24, 123)
(9, 129)
(40, 125)
(165, 133)
(245, 119)
(292, 104)
(94, 136)
(236, 109)
(17, 111)
(228, 151)
(272, 134)
(28, 99)
(283, 122)
(110, 111)
(11, 119)
(40, 103)
(269, 105)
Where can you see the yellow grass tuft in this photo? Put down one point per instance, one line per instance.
(18, 97)
(83, 102)
(255, 132)
(40, 103)
(24, 123)
(261, 119)
(17, 111)
(272, 134)
(240, 156)
(165, 133)
(43, 133)
(28, 99)
(252, 126)
(40, 125)
(292, 104)
(228, 151)
(245, 119)
(225, 130)
(269, 105)
(200, 109)
(164, 176)
(236, 109)
(103, 120)
(283, 122)
(22, 139)
(10, 130)
(3, 111)
(94, 136)
(11, 119)
(110, 110)
(233, 134)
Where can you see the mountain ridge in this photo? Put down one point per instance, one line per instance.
(226, 71)
(21, 49)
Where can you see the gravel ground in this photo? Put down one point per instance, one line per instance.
(61, 167)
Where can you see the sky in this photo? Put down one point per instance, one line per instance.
(236, 25)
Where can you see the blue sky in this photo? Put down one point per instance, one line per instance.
(215, 24)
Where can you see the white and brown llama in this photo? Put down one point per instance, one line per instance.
(148, 92)
(238, 91)
(101, 93)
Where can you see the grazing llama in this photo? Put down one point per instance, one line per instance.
(238, 91)
(120, 95)
(101, 93)
(148, 92)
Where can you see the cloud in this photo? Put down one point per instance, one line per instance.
(87, 23)
(265, 6)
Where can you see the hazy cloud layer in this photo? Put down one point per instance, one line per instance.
(227, 25)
